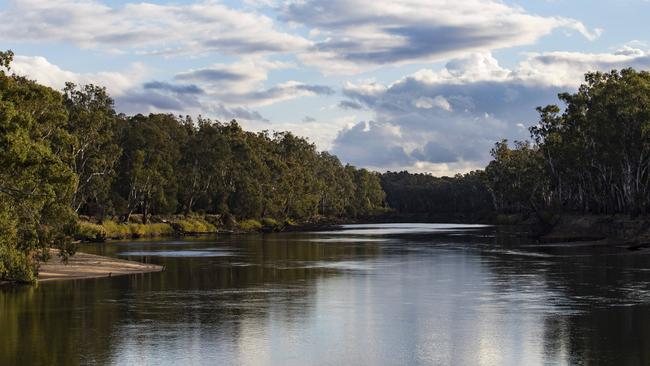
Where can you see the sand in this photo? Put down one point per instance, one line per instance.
(84, 265)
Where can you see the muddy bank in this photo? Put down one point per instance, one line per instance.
(84, 265)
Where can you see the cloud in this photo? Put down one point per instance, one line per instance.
(148, 28)
(40, 69)
(358, 34)
(450, 118)
(568, 68)
(309, 119)
(175, 88)
(347, 104)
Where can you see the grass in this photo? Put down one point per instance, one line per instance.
(191, 225)
(112, 230)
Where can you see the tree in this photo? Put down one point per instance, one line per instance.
(93, 149)
(36, 184)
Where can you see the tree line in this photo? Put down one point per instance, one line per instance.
(70, 153)
(426, 197)
(591, 157)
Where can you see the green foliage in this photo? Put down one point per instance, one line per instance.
(426, 196)
(593, 157)
(250, 225)
(195, 226)
(87, 231)
(150, 230)
(68, 154)
(116, 230)
(270, 222)
(94, 153)
(36, 183)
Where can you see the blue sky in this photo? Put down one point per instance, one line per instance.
(423, 85)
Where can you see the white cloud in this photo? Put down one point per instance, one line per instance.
(567, 68)
(436, 102)
(40, 69)
(366, 33)
(196, 28)
(450, 118)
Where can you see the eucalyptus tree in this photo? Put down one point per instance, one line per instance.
(93, 149)
(36, 183)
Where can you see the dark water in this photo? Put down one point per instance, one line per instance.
(367, 295)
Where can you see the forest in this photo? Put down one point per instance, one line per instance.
(69, 154)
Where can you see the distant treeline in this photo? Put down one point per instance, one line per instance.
(425, 197)
(69, 153)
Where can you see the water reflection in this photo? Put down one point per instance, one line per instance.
(381, 295)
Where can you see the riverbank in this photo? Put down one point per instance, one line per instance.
(84, 266)
(632, 232)
(181, 226)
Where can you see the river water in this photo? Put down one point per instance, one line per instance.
(388, 294)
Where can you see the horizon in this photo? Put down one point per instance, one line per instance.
(423, 86)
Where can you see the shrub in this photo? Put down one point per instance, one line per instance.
(87, 231)
(195, 225)
(150, 230)
(250, 225)
(270, 222)
(116, 231)
(289, 222)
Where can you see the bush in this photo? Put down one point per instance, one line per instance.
(270, 222)
(150, 230)
(195, 226)
(122, 231)
(289, 222)
(16, 265)
(250, 225)
(87, 231)
(116, 231)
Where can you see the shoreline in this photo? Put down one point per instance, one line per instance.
(85, 266)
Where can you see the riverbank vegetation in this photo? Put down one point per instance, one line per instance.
(69, 154)
(592, 157)
(66, 154)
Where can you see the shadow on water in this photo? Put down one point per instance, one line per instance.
(366, 294)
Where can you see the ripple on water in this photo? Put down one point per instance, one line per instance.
(177, 253)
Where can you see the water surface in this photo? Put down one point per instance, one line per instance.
(389, 294)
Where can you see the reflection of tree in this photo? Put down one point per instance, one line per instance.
(55, 323)
(595, 307)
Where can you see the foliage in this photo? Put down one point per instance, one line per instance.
(426, 196)
(36, 183)
(195, 226)
(250, 225)
(87, 231)
(69, 153)
(270, 222)
(593, 157)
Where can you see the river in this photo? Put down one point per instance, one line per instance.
(384, 294)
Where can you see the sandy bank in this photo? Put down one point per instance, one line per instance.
(84, 265)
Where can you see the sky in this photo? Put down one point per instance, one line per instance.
(418, 85)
